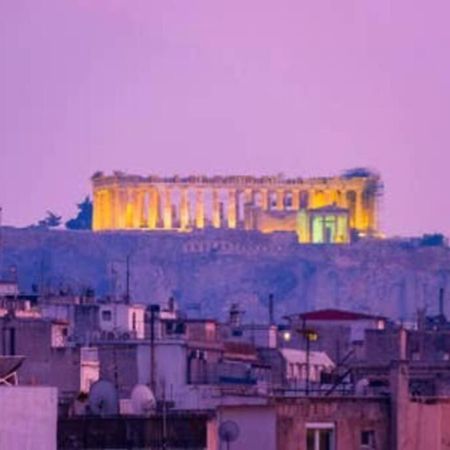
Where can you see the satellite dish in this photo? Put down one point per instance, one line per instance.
(228, 432)
(142, 400)
(103, 398)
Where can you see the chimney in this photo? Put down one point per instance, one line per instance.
(271, 310)
(171, 304)
(403, 342)
(235, 315)
(399, 392)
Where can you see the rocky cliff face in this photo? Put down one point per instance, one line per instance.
(207, 271)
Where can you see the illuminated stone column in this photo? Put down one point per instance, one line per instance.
(120, 207)
(329, 197)
(199, 209)
(360, 222)
(131, 208)
(339, 198)
(215, 208)
(350, 204)
(96, 211)
(129, 213)
(303, 227)
(248, 196)
(264, 199)
(369, 210)
(167, 214)
(248, 208)
(113, 208)
(102, 209)
(295, 199)
(342, 235)
(280, 199)
(232, 208)
(317, 198)
(109, 209)
(370, 207)
(153, 208)
(184, 208)
(138, 207)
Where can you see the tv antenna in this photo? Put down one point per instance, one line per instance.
(228, 432)
(103, 398)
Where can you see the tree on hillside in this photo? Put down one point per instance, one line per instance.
(83, 220)
(51, 220)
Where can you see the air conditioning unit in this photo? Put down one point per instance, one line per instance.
(108, 335)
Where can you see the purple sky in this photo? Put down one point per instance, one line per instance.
(300, 87)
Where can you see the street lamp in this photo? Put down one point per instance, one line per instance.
(309, 335)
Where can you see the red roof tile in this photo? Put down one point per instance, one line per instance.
(336, 314)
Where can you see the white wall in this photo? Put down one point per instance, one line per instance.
(89, 368)
(28, 418)
(257, 428)
(122, 318)
(9, 289)
(171, 366)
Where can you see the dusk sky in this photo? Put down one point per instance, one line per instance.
(232, 87)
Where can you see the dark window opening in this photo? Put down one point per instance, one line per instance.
(106, 315)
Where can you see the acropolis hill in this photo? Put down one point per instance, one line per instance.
(318, 210)
(210, 242)
(208, 270)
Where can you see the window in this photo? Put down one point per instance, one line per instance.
(368, 439)
(320, 436)
(106, 315)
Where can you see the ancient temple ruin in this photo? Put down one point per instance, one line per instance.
(319, 210)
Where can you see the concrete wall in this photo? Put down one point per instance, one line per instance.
(44, 364)
(216, 269)
(171, 371)
(282, 426)
(257, 427)
(119, 364)
(427, 426)
(28, 417)
(350, 417)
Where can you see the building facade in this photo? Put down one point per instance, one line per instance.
(267, 204)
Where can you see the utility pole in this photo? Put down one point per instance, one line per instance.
(309, 335)
(307, 365)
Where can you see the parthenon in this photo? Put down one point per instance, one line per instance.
(267, 203)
